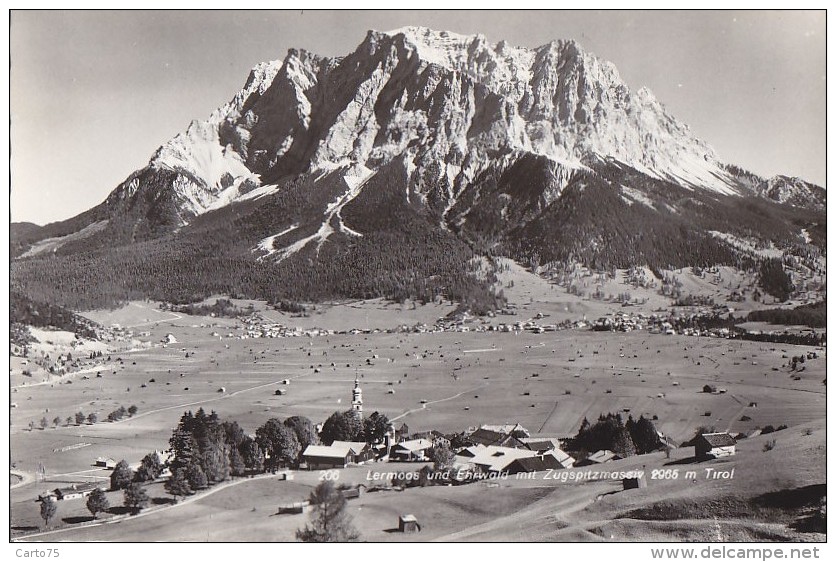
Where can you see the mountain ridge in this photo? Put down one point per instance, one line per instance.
(500, 148)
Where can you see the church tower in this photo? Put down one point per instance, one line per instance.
(357, 399)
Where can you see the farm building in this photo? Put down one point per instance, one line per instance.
(408, 524)
(489, 437)
(105, 462)
(714, 445)
(413, 450)
(337, 455)
(563, 458)
(514, 429)
(75, 491)
(635, 482)
(598, 457)
(319, 457)
(493, 458)
(360, 450)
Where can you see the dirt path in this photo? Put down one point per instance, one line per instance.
(424, 406)
(175, 316)
(145, 513)
(187, 404)
(25, 478)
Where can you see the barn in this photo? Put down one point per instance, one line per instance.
(408, 524)
(337, 455)
(321, 457)
(414, 450)
(714, 445)
(599, 457)
(105, 462)
(75, 491)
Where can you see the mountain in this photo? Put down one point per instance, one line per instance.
(384, 172)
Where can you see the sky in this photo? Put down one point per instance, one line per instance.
(94, 93)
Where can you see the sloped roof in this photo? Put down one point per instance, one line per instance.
(718, 439)
(326, 451)
(498, 458)
(545, 445)
(565, 460)
(602, 456)
(355, 447)
(415, 445)
(507, 428)
(483, 436)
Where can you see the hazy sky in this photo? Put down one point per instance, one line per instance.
(94, 93)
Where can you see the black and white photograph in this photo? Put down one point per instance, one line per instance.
(381, 276)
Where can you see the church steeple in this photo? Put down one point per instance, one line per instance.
(357, 398)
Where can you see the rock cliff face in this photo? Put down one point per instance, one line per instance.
(536, 153)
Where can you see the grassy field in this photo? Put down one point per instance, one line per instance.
(547, 382)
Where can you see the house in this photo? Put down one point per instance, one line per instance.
(321, 457)
(513, 429)
(714, 445)
(338, 454)
(493, 458)
(105, 462)
(408, 524)
(413, 450)
(599, 457)
(75, 491)
(360, 450)
(489, 437)
(562, 458)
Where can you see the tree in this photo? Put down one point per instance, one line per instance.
(329, 522)
(196, 477)
(442, 456)
(79, 418)
(133, 410)
(341, 426)
(48, 509)
(233, 434)
(183, 446)
(178, 484)
(136, 497)
(56, 421)
(31, 426)
(44, 423)
(121, 476)
(375, 428)
(279, 443)
(252, 455)
(304, 429)
(774, 280)
(644, 435)
(150, 466)
(97, 502)
(216, 460)
(236, 463)
(92, 418)
(69, 420)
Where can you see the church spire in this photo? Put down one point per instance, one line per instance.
(357, 398)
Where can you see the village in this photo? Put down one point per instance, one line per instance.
(471, 406)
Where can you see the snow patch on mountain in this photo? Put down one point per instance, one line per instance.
(748, 245)
(267, 245)
(635, 196)
(355, 177)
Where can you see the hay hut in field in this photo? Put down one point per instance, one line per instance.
(634, 482)
(408, 524)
